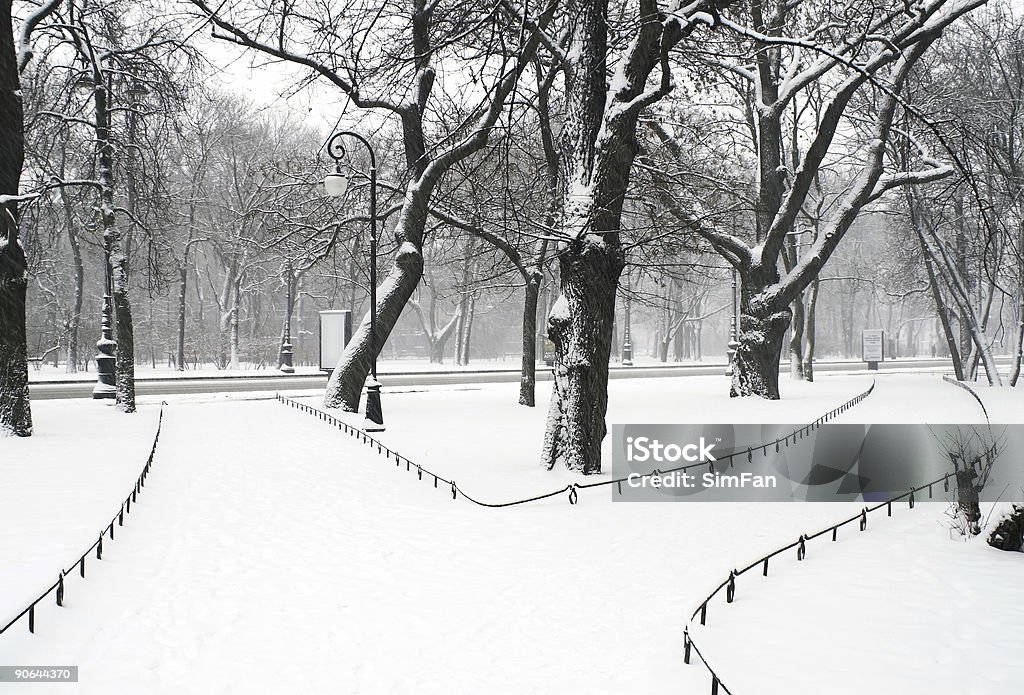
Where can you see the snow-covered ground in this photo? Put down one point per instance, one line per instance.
(271, 552)
(902, 608)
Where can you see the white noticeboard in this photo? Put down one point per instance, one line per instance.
(873, 345)
(335, 332)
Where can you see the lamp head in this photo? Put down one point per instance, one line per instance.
(335, 184)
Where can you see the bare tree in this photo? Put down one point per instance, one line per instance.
(876, 52)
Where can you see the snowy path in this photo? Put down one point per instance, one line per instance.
(916, 398)
(298, 563)
(941, 611)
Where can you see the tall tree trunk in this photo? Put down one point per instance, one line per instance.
(233, 326)
(809, 331)
(15, 412)
(182, 288)
(113, 242)
(468, 338)
(75, 320)
(460, 330)
(580, 326)
(528, 373)
(796, 340)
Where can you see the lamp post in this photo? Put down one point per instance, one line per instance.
(627, 344)
(285, 357)
(734, 342)
(105, 360)
(335, 186)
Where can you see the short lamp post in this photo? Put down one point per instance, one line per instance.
(335, 186)
(734, 342)
(627, 343)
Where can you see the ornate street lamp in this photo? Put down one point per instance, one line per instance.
(284, 360)
(335, 186)
(734, 342)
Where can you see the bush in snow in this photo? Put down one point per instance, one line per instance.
(1009, 532)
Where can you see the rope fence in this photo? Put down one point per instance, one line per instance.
(572, 489)
(117, 520)
(800, 544)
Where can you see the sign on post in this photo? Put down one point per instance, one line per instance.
(335, 332)
(873, 347)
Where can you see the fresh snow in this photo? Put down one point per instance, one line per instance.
(270, 552)
(901, 608)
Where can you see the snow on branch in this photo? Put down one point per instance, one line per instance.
(53, 185)
(905, 178)
(28, 26)
(239, 36)
(482, 128)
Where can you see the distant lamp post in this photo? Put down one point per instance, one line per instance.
(734, 342)
(106, 362)
(285, 358)
(627, 344)
(335, 186)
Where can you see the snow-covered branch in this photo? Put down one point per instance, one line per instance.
(241, 37)
(24, 47)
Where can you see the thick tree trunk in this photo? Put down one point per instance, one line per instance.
(346, 382)
(125, 371)
(580, 326)
(763, 324)
(15, 412)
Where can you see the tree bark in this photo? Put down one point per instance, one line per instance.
(468, 337)
(528, 374)
(580, 326)
(598, 148)
(75, 320)
(796, 340)
(15, 412)
(182, 288)
(346, 382)
(764, 319)
(809, 331)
